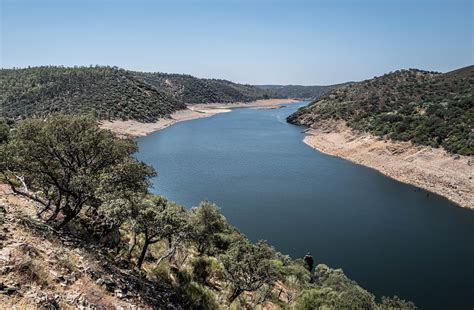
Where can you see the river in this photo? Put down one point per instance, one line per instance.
(392, 238)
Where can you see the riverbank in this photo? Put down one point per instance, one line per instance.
(132, 128)
(429, 168)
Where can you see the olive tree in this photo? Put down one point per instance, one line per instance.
(63, 161)
(249, 267)
(158, 219)
(208, 222)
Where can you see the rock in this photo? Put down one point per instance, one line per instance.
(5, 255)
(57, 276)
(5, 270)
(11, 290)
(71, 278)
(118, 292)
(28, 249)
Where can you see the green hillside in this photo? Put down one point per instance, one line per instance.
(424, 107)
(105, 92)
(300, 91)
(189, 89)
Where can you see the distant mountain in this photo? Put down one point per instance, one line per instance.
(427, 108)
(300, 91)
(106, 92)
(189, 89)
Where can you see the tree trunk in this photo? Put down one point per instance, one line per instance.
(236, 293)
(66, 220)
(55, 214)
(70, 214)
(142, 254)
(130, 250)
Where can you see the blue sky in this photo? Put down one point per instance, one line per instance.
(256, 42)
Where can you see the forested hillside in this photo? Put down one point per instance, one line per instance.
(112, 93)
(424, 107)
(189, 89)
(300, 91)
(105, 92)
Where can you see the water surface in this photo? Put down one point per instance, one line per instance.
(392, 238)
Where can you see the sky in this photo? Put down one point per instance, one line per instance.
(246, 41)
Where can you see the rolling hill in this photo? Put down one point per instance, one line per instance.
(105, 92)
(300, 91)
(191, 90)
(112, 93)
(426, 108)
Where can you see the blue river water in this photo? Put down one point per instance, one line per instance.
(392, 238)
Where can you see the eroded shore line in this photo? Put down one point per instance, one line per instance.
(132, 128)
(432, 169)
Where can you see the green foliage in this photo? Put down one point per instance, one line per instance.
(110, 93)
(333, 290)
(4, 131)
(206, 268)
(300, 91)
(194, 295)
(103, 92)
(396, 303)
(161, 272)
(208, 224)
(410, 105)
(248, 267)
(189, 89)
(158, 219)
(64, 160)
(294, 272)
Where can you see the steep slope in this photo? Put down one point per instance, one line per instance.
(106, 92)
(190, 90)
(426, 108)
(43, 269)
(300, 91)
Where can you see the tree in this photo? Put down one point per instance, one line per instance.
(63, 162)
(396, 303)
(207, 222)
(158, 219)
(4, 131)
(249, 267)
(334, 290)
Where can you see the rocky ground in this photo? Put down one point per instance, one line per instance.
(40, 268)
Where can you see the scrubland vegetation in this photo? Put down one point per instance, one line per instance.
(103, 92)
(301, 91)
(189, 89)
(426, 108)
(85, 183)
(112, 93)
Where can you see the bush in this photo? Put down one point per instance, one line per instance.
(206, 268)
(194, 295)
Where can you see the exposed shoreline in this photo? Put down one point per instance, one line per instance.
(132, 128)
(429, 168)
